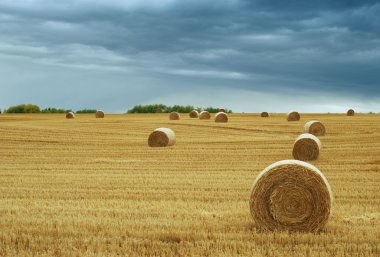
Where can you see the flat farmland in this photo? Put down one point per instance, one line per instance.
(93, 187)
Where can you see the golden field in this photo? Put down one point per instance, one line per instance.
(93, 187)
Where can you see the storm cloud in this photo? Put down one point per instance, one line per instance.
(248, 55)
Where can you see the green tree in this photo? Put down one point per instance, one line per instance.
(24, 108)
(86, 111)
(55, 110)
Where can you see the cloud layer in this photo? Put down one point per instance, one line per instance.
(115, 54)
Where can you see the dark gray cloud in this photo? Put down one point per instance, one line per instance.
(55, 53)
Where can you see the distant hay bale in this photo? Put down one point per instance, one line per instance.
(221, 117)
(264, 115)
(205, 115)
(161, 137)
(350, 112)
(222, 110)
(70, 115)
(99, 114)
(306, 147)
(315, 127)
(293, 116)
(194, 114)
(291, 195)
(174, 116)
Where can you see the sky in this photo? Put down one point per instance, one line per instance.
(245, 55)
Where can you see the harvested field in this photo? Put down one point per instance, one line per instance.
(93, 187)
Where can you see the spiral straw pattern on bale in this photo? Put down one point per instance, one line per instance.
(194, 114)
(306, 147)
(291, 195)
(70, 115)
(221, 117)
(350, 112)
(174, 116)
(205, 115)
(315, 127)
(99, 114)
(264, 114)
(161, 137)
(293, 116)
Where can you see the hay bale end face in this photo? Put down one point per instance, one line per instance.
(315, 127)
(70, 115)
(161, 137)
(291, 195)
(205, 115)
(194, 114)
(221, 117)
(222, 110)
(306, 147)
(293, 116)
(350, 112)
(264, 115)
(174, 116)
(99, 114)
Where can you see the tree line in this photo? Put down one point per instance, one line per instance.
(32, 108)
(161, 108)
(150, 108)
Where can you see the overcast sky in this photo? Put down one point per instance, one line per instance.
(246, 55)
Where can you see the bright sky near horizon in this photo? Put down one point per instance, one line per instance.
(249, 56)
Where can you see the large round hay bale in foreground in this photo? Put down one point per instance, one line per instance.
(205, 115)
(350, 112)
(293, 116)
(291, 195)
(264, 115)
(315, 127)
(306, 147)
(194, 114)
(174, 116)
(70, 115)
(221, 117)
(99, 114)
(161, 137)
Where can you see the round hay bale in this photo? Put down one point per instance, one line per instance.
(291, 195)
(264, 115)
(293, 116)
(205, 115)
(161, 137)
(174, 116)
(99, 114)
(315, 127)
(221, 117)
(194, 114)
(222, 110)
(306, 147)
(70, 115)
(350, 112)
